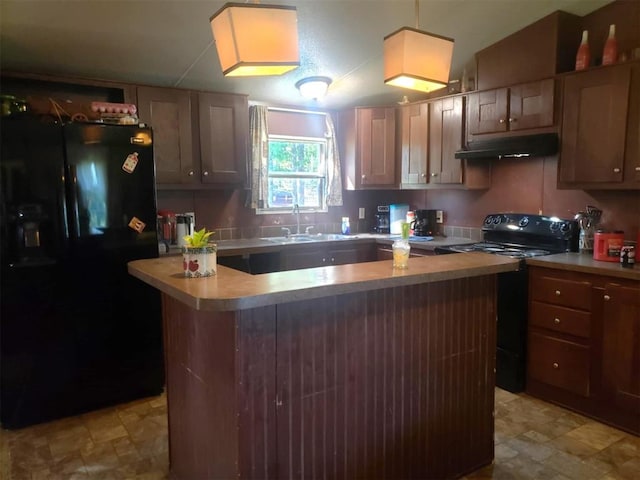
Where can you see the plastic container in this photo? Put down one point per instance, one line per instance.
(607, 245)
(610, 53)
(583, 57)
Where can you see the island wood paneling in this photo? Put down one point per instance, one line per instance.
(391, 383)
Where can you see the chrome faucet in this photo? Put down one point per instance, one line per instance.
(296, 212)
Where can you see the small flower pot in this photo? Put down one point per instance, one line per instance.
(199, 261)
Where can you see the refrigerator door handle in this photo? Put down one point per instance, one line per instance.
(74, 230)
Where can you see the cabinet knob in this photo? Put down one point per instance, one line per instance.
(501, 120)
(616, 170)
(324, 260)
(556, 320)
(555, 365)
(637, 169)
(513, 120)
(557, 293)
(607, 297)
(333, 260)
(190, 173)
(364, 177)
(423, 175)
(205, 173)
(434, 174)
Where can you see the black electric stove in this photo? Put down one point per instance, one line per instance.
(520, 236)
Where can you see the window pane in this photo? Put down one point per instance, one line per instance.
(285, 192)
(294, 157)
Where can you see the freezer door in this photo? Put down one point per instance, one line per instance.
(33, 220)
(112, 197)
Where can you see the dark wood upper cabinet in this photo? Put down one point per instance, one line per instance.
(600, 146)
(200, 139)
(540, 50)
(224, 132)
(168, 111)
(519, 107)
(414, 143)
(367, 142)
(445, 138)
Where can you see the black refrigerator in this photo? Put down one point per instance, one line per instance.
(77, 332)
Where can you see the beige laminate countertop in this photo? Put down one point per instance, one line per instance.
(234, 290)
(246, 246)
(579, 262)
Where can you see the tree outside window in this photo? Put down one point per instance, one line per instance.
(297, 173)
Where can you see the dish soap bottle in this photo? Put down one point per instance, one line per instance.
(583, 58)
(610, 53)
(346, 228)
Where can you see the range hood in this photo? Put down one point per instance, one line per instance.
(512, 147)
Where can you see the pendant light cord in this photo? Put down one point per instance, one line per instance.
(417, 14)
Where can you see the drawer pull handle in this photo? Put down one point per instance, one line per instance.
(558, 293)
(555, 365)
(190, 173)
(616, 170)
(637, 169)
(556, 321)
(501, 120)
(607, 297)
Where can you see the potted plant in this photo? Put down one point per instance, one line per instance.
(198, 255)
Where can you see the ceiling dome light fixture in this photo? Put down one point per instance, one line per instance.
(313, 87)
(416, 59)
(253, 39)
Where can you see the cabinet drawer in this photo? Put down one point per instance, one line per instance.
(559, 363)
(560, 319)
(558, 291)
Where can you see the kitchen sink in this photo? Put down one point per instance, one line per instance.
(301, 238)
(291, 239)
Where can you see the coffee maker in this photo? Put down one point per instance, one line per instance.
(381, 223)
(425, 223)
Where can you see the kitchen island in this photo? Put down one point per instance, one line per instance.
(349, 371)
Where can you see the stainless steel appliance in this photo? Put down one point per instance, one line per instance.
(519, 236)
(381, 222)
(425, 223)
(78, 332)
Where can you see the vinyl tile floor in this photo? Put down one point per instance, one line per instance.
(533, 440)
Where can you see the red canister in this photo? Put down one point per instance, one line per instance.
(607, 245)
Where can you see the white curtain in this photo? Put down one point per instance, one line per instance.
(334, 176)
(259, 154)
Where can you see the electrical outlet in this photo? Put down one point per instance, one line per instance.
(439, 216)
(361, 213)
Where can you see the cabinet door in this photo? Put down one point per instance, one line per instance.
(531, 105)
(445, 138)
(224, 132)
(295, 258)
(415, 141)
(376, 145)
(621, 348)
(168, 111)
(488, 111)
(594, 122)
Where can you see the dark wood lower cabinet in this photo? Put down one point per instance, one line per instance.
(584, 344)
(389, 383)
(310, 256)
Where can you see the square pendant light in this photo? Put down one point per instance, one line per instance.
(253, 39)
(417, 60)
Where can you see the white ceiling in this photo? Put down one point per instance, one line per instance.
(169, 42)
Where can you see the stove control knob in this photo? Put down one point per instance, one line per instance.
(497, 219)
(554, 226)
(565, 227)
(488, 220)
(523, 222)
